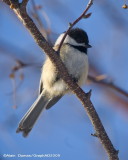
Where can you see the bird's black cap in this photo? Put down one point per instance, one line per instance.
(80, 36)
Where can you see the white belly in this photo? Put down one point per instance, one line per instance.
(77, 64)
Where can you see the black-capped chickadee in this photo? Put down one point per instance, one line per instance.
(73, 53)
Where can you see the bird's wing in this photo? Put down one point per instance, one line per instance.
(29, 119)
(40, 86)
(53, 101)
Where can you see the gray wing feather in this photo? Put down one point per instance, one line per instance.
(29, 119)
(32, 115)
(40, 86)
(53, 101)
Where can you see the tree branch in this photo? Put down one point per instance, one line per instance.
(76, 21)
(7, 2)
(83, 97)
(25, 2)
(108, 84)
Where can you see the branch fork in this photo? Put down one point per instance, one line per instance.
(20, 11)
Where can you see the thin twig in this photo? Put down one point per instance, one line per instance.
(7, 2)
(76, 21)
(25, 2)
(36, 15)
(108, 84)
(82, 96)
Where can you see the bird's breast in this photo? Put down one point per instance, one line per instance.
(76, 63)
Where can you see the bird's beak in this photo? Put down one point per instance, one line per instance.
(88, 46)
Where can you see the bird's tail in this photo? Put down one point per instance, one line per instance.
(32, 115)
(29, 119)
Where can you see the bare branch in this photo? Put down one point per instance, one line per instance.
(7, 2)
(37, 17)
(108, 84)
(25, 2)
(76, 21)
(83, 97)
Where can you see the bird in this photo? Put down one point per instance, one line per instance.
(52, 88)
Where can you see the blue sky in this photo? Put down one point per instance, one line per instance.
(65, 129)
